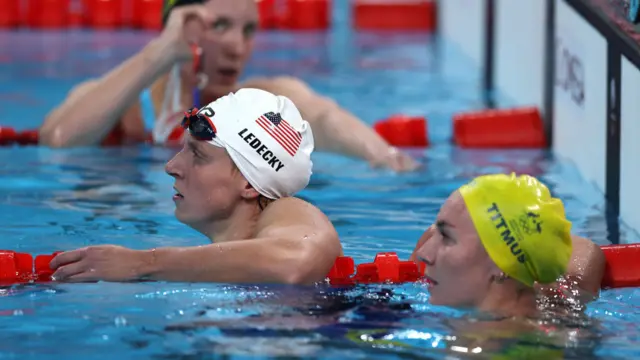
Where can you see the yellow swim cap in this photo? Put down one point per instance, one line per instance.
(523, 228)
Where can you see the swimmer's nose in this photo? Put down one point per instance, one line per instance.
(427, 252)
(426, 260)
(235, 45)
(171, 168)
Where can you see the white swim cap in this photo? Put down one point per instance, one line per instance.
(266, 138)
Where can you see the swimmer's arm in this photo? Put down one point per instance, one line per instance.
(92, 109)
(298, 247)
(334, 129)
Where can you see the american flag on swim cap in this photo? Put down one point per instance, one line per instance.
(279, 129)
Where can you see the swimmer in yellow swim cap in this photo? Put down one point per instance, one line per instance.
(498, 237)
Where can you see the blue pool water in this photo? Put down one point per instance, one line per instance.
(63, 199)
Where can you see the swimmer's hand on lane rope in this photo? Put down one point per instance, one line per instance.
(99, 263)
(186, 26)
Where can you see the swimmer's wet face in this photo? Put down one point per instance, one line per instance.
(260, 146)
(208, 185)
(458, 267)
(228, 42)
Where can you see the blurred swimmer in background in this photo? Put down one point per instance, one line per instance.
(149, 91)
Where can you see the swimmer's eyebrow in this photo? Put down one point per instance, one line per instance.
(200, 150)
(226, 20)
(194, 146)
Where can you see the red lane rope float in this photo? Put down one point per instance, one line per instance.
(17, 268)
(386, 267)
(499, 128)
(9, 136)
(10, 14)
(405, 131)
(622, 269)
(394, 14)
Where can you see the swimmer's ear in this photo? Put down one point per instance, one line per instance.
(248, 192)
(500, 278)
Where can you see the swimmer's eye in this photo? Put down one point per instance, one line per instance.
(250, 29)
(442, 229)
(221, 25)
(197, 154)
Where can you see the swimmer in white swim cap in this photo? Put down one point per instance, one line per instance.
(247, 154)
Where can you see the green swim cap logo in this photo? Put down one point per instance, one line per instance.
(530, 223)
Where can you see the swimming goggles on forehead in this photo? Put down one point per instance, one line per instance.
(200, 125)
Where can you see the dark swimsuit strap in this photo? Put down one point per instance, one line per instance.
(196, 97)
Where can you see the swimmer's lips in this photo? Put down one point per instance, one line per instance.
(177, 194)
(228, 73)
(429, 280)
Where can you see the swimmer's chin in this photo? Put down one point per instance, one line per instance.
(434, 300)
(222, 86)
(440, 300)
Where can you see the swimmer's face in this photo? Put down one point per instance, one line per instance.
(228, 42)
(456, 260)
(210, 187)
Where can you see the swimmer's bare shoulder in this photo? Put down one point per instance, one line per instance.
(298, 220)
(335, 129)
(584, 271)
(310, 104)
